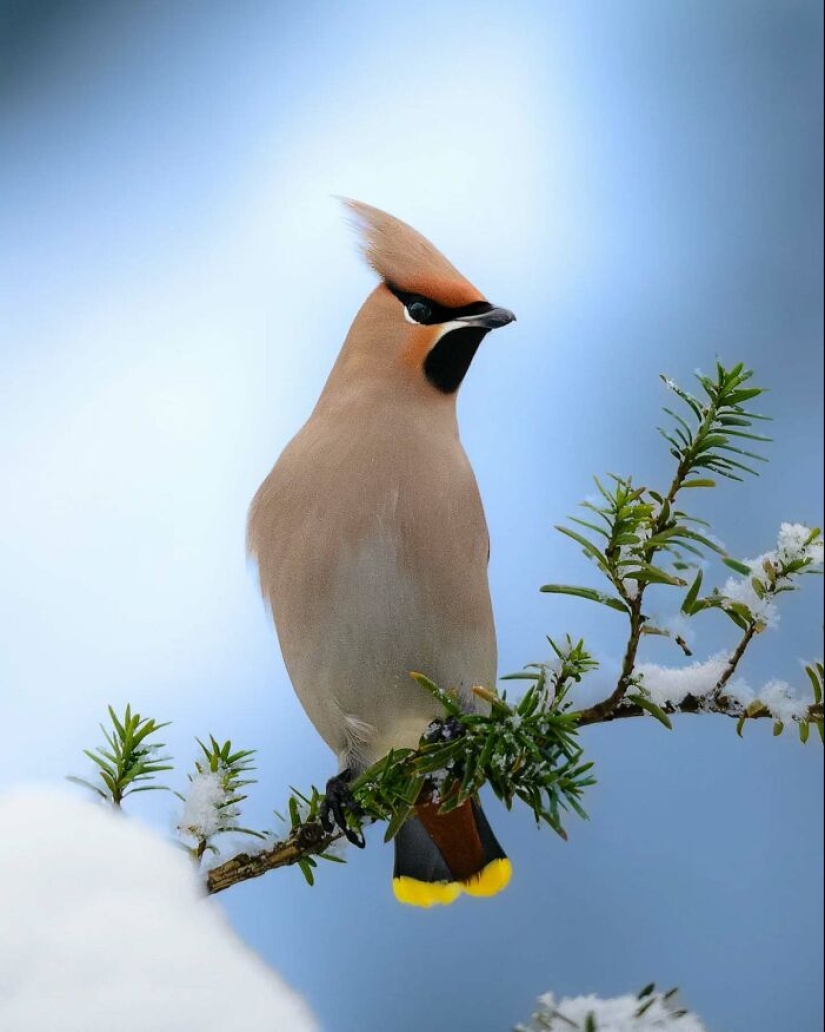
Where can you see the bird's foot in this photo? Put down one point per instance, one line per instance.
(444, 730)
(337, 804)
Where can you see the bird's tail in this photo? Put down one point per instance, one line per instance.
(440, 855)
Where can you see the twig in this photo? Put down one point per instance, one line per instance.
(306, 840)
(733, 662)
(603, 709)
(720, 705)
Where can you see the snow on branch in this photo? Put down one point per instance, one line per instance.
(649, 1010)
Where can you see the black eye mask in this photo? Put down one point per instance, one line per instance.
(427, 312)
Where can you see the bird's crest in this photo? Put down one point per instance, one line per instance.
(403, 258)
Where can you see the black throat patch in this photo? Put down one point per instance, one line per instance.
(447, 364)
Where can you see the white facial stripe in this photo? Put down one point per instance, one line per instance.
(446, 327)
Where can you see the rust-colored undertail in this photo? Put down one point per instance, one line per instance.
(440, 855)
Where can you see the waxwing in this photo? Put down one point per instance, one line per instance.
(372, 546)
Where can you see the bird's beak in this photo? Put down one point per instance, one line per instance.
(490, 320)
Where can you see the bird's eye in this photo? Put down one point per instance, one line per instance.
(419, 310)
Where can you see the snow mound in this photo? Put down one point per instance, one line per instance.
(105, 926)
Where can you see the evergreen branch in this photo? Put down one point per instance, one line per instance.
(641, 524)
(212, 802)
(735, 659)
(721, 706)
(307, 841)
(526, 751)
(129, 761)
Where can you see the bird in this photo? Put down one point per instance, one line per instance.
(372, 547)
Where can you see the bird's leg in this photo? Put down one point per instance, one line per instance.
(338, 801)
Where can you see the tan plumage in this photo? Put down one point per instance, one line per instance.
(399, 253)
(369, 532)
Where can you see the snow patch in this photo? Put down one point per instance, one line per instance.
(739, 691)
(679, 626)
(104, 925)
(778, 698)
(619, 1014)
(673, 684)
(792, 545)
(206, 810)
(737, 589)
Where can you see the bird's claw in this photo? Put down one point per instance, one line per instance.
(338, 801)
(445, 729)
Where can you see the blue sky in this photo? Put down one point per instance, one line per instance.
(642, 184)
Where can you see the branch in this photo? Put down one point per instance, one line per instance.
(634, 601)
(733, 662)
(306, 841)
(720, 705)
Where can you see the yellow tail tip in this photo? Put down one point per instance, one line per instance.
(424, 894)
(490, 879)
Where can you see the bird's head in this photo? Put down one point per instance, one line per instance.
(425, 321)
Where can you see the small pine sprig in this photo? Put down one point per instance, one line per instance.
(212, 802)
(637, 536)
(636, 523)
(812, 715)
(305, 813)
(649, 1009)
(707, 446)
(749, 604)
(129, 761)
(526, 750)
(572, 663)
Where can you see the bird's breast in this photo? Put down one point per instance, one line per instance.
(372, 551)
